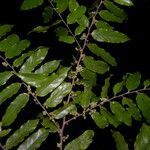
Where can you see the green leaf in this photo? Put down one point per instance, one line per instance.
(34, 141)
(82, 142)
(67, 39)
(51, 126)
(133, 81)
(120, 113)
(3, 133)
(4, 29)
(96, 66)
(104, 25)
(99, 120)
(108, 16)
(14, 108)
(52, 82)
(103, 54)
(61, 5)
(109, 36)
(48, 67)
(30, 4)
(79, 30)
(19, 135)
(132, 108)
(13, 46)
(47, 14)
(111, 118)
(63, 111)
(9, 91)
(40, 29)
(4, 77)
(19, 61)
(34, 60)
(32, 79)
(118, 87)
(73, 5)
(76, 14)
(147, 83)
(104, 91)
(117, 11)
(83, 21)
(143, 102)
(143, 138)
(124, 2)
(120, 141)
(58, 94)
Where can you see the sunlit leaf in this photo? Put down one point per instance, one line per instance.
(61, 5)
(52, 82)
(124, 2)
(4, 76)
(58, 94)
(4, 133)
(104, 25)
(14, 108)
(109, 36)
(73, 5)
(34, 141)
(82, 142)
(34, 60)
(19, 135)
(9, 91)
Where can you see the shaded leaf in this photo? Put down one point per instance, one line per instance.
(117, 11)
(40, 29)
(34, 141)
(34, 60)
(132, 108)
(82, 142)
(83, 21)
(19, 135)
(30, 4)
(61, 5)
(109, 36)
(76, 14)
(143, 138)
(14, 108)
(47, 124)
(52, 82)
(103, 54)
(73, 5)
(96, 66)
(100, 120)
(133, 81)
(4, 29)
(120, 141)
(124, 2)
(105, 87)
(47, 14)
(143, 102)
(58, 94)
(120, 113)
(67, 39)
(118, 87)
(4, 76)
(147, 83)
(3, 133)
(9, 91)
(79, 30)
(104, 25)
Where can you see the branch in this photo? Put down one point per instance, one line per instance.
(1, 147)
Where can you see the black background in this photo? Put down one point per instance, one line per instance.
(132, 56)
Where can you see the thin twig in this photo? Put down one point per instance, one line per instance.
(1, 147)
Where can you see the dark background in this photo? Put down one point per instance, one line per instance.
(132, 56)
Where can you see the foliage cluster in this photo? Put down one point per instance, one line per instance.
(66, 93)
